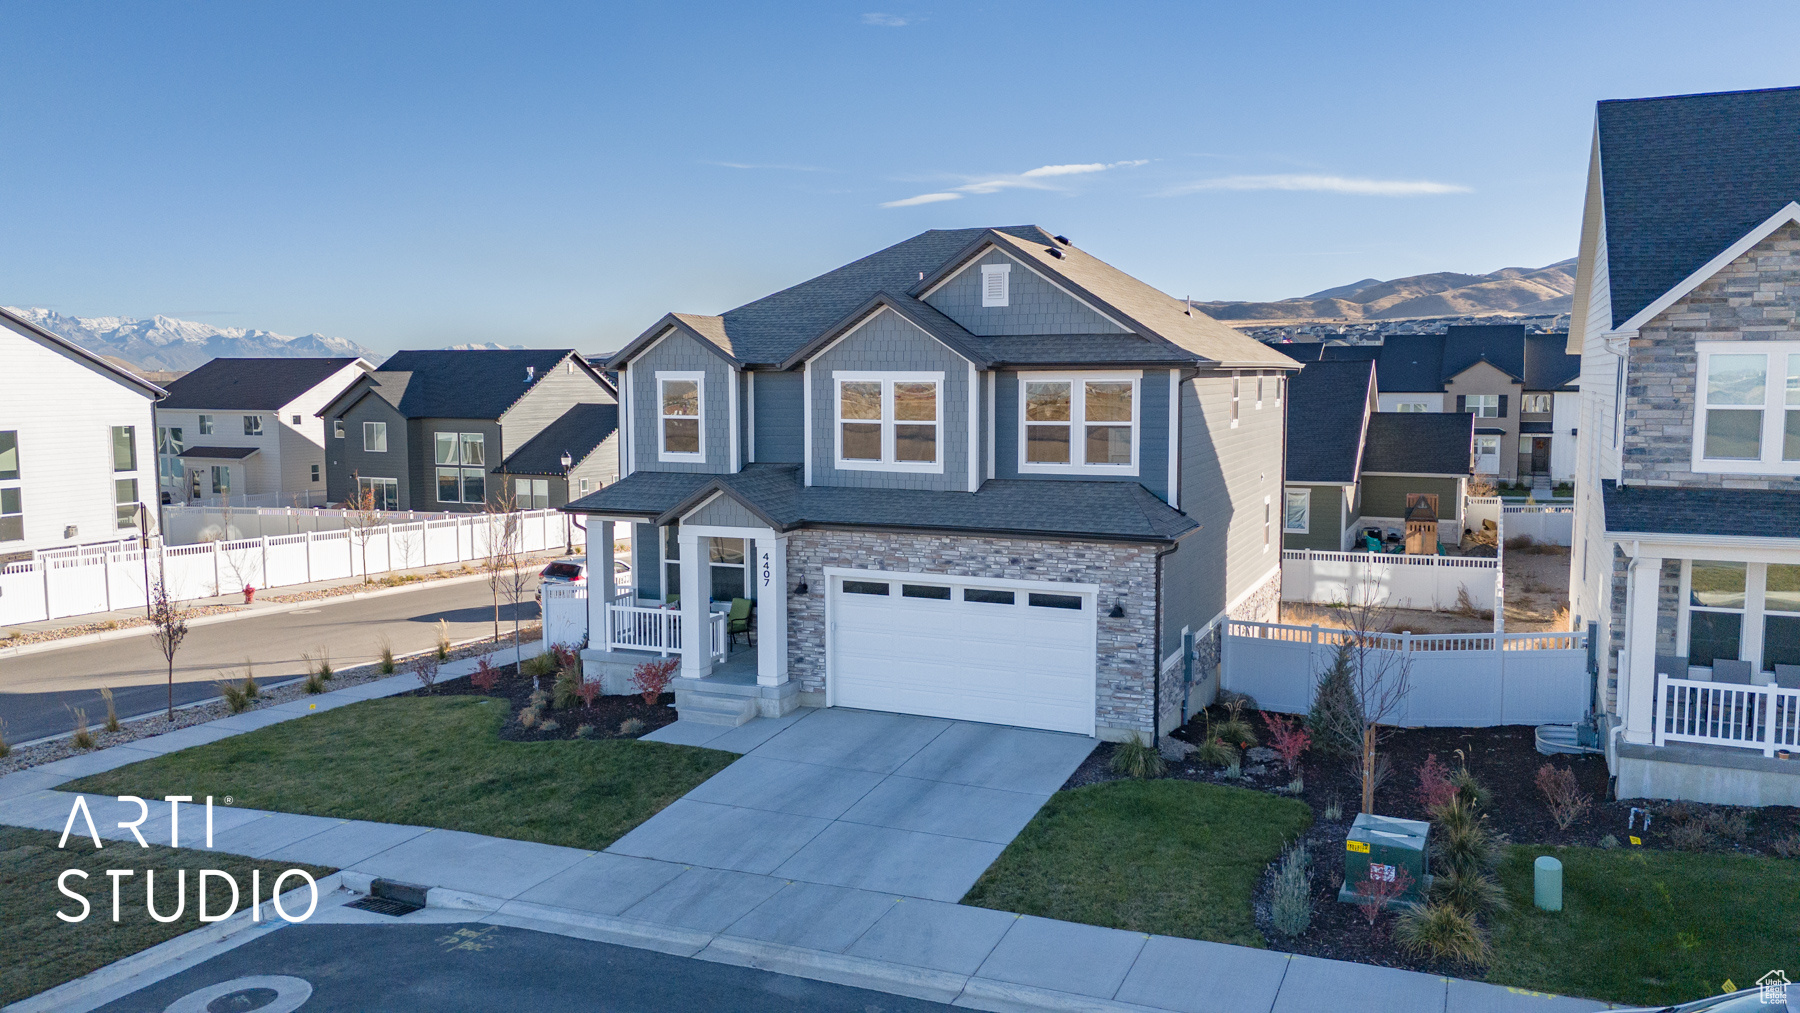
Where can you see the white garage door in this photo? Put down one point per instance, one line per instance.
(960, 648)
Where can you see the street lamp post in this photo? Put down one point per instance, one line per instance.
(568, 541)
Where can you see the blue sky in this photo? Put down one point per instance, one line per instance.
(548, 174)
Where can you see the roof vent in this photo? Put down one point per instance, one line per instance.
(1054, 252)
(530, 373)
(1063, 240)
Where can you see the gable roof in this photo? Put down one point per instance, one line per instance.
(1414, 363)
(251, 384)
(1409, 362)
(1499, 345)
(78, 353)
(1548, 364)
(467, 383)
(1684, 177)
(922, 315)
(1328, 405)
(580, 431)
(1419, 443)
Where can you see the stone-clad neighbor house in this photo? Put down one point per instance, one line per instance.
(455, 429)
(249, 429)
(979, 474)
(77, 450)
(1520, 387)
(1351, 468)
(1687, 526)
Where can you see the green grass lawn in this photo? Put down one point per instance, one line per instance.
(430, 761)
(1172, 857)
(1648, 928)
(43, 951)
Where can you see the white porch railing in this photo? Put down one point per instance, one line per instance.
(1727, 714)
(650, 628)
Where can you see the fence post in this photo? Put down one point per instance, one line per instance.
(390, 545)
(265, 560)
(218, 587)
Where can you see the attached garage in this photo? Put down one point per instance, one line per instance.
(1007, 652)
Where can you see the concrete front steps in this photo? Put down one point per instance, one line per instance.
(732, 698)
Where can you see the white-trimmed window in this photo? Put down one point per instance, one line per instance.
(996, 284)
(1259, 391)
(1268, 523)
(337, 429)
(461, 460)
(531, 493)
(1236, 384)
(1079, 423)
(253, 425)
(206, 425)
(125, 502)
(681, 407)
(1536, 404)
(375, 437)
(1741, 611)
(379, 493)
(1747, 419)
(1298, 516)
(889, 421)
(1413, 406)
(1487, 455)
(1482, 406)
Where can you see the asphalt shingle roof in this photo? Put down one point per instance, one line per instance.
(1326, 405)
(1756, 513)
(1107, 511)
(1426, 362)
(218, 453)
(580, 431)
(1410, 362)
(1684, 177)
(1500, 345)
(1548, 364)
(249, 384)
(469, 383)
(1419, 443)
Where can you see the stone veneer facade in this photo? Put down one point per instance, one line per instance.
(1125, 572)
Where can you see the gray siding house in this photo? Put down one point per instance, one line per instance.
(456, 430)
(980, 474)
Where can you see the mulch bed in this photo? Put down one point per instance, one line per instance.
(604, 720)
(1504, 759)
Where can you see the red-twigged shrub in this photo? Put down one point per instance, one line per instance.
(652, 677)
(1564, 797)
(587, 690)
(1435, 787)
(1373, 895)
(1289, 738)
(567, 655)
(486, 676)
(425, 669)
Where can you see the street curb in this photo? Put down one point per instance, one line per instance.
(837, 968)
(1006, 997)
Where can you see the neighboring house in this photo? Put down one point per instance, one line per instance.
(1351, 468)
(1687, 526)
(77, 450)
(979, 474)
(435, 430)
(1520, 387)
(249, 430)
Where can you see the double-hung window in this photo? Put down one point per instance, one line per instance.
(206, 425)
(1748, 416)
(890, 421)
(461, 467)
(1482, 406)
(1298, 516)
(12, 511)
(1716, 601)
(253, 425)
(681, 404)
(124, 448)
(1742, 611)
(1079, 424)
(375, 437)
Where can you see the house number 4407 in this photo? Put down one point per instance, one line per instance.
(766, 562)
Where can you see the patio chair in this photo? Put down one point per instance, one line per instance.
(1736, 672)
(1787, 676)
(737, 622)
(1371, 544)
(1674, 666)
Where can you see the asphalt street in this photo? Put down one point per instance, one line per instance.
(475, 968)
(38, 691)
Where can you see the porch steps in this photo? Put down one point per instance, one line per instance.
(714, 702)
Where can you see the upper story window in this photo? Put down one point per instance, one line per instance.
(890, 421)
(1083, 424)
(1413, 406)
(375, 437)
(253, 425)
(681, 401)
(9, 455)
(1537, 404)
(296, 420)
(1298, 515)
(996, 284)
(337, 429)
(169, 445)
(461, 467)
(1482, 406)
(1259, 392)
(1236, 389)
(206, 425)
(124, 448)
(1749, 416)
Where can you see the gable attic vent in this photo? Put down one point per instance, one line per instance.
(995, 287)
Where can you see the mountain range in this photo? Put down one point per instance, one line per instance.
(166, 344)
(1511, 291)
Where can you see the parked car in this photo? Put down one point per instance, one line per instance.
(574, 570)
(1774, 994)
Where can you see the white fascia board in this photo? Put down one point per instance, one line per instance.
(1790, 213)
(1740, 548)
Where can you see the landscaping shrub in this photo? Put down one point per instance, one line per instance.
(236, 700)
(1373, 896)
(112, 713)
(567, 655)
(443, 641)
(584, 731)
(1444, 932)
(83, 739)
(539, 665)
(386, 664)
(528, 717)
(549, 726)
(1137, 758)
(486, 676)
(1786, 847)
(1729, 823)
(1435, 788)
(1564, 797)
(324, 670)
(314, 684)
(1290, 896)
(1234, 730)
(425, 669)
(1289, 738)
(1463, 843)
(1333, 811)
(1215, 753)
(567, 691)
(631, 726)
(587, 689)
(251, 689)
(1609, 841)
(1476, 894)
(1690, 836)
(650, 678)
(1471, 791)
(1336, 719)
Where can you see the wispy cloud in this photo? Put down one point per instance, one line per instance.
(886, 20)
(1030, 179)
(1319, 184)
(756, 165)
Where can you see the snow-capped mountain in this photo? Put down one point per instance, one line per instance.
(164, 343)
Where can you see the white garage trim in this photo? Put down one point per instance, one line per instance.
(1073, 712)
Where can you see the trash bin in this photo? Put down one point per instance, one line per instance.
(1380, 848)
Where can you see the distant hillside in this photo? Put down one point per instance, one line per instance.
(166, 344)
(1511, 291)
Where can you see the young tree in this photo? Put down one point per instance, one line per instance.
(171, 629)
(362, 513)
(503, 550)
(1379, 678)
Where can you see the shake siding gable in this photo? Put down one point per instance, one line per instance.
(724, 511)
(1153, 434)
(680, 353)
(1034, 305)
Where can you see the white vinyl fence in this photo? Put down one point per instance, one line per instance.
(1546, 525)
(1480, 508)
(187, 525)
(1391, 579)
(1466, 680)
(74, 582)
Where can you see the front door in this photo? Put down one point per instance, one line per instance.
(1540, 455)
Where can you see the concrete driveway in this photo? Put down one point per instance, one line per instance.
(899, 805)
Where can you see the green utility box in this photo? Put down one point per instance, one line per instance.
(1381, 848)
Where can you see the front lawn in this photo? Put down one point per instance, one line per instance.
(43, 951)
(430, 761)
(1166, 856)
(1647, 927)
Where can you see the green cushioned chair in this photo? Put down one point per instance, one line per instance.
(737, 622)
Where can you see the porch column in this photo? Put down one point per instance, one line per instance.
(696, 635)
(600, 584)
(771, 610)
(1642, 583)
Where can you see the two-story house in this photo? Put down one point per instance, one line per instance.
(438, 430)
(247, 431)
(980, 474)
(1687, 526)
(77, 461)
